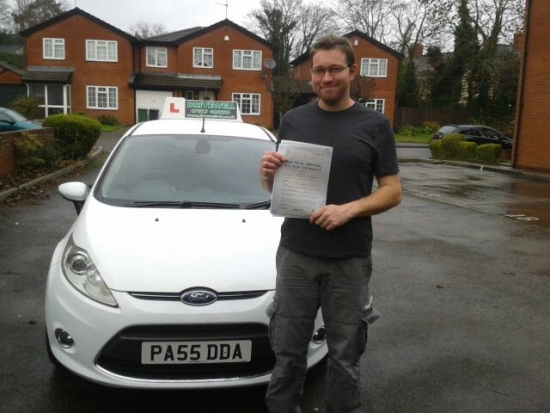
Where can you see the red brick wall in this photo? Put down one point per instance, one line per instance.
(7, 149)
(9, 78)
(234, 81)
(76, 30)
(532, 137)
(385, 88)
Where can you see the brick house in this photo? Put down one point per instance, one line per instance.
(79, 63)
(11, 86)
(375, 60)
(531, 137)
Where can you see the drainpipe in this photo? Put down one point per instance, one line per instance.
(519, 109)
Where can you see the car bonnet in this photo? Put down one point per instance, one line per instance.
(170, 250)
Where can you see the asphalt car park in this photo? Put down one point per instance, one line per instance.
(461, 277)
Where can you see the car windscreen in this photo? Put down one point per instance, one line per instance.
(184, 171)
(14, 115)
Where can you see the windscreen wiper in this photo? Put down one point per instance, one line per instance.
(182, 204)
(258, 205)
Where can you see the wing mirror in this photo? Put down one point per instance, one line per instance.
(76, 192)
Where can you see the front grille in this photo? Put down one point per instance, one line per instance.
(122, 355)
(235, 295)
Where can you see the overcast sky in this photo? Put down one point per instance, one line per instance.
(174, 14)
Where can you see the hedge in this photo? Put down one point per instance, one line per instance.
(75, 134)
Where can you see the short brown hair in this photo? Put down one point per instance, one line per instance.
(332, 42)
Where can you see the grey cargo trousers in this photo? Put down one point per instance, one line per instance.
(341, 288)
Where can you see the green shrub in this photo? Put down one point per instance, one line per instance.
(28, 107)
(75, 134)
(450, 145)
(489, 152)
(435, 149)
(431, 127)
(468, 150)
(28, 152)
(109, 120)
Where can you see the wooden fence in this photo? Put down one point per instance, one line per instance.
(417, 116)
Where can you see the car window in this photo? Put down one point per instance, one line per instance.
(471, 132)
(185, 168)
(490, 133)
(447, 129)
(14, 115)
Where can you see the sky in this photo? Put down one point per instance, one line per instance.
(173, 14)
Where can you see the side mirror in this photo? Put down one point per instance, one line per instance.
(76, 192)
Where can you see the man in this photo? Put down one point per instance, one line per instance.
(325, 261)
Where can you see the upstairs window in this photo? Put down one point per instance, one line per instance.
(374, 67)
(247, 59)
(101, 51)
(54, 49)
(157, 57)
(203, 57)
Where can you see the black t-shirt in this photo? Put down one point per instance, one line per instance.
(363, 147)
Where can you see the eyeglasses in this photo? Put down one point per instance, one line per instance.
(334, 70)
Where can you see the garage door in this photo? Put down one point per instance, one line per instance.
(149, 104)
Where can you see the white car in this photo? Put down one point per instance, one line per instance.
(164, 279)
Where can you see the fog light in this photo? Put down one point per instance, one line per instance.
(64, 338)
(319, 336)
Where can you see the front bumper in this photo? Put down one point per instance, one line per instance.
(107, 341)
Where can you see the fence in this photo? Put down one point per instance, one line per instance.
(417, 116)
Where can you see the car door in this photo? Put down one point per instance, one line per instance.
(473, 135)
(492, 136)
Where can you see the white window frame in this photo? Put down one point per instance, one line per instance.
(241, 57)
(374, 67)
(94, 93)
(252, 99)
(376, 104)
(156, 54)
(95, 47)
(55, 47)
(205, 52)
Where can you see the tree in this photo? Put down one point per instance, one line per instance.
(369, 16)
(28, 13)
(314, 22)
(4, 16)
(145, 30)
(277, 21)
(362, 88)
(408, 90)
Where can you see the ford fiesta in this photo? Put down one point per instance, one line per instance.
(164, 279)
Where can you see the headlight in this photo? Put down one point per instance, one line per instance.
(84, 276)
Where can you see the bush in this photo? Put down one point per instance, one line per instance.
(109, 120)
(28, 107)
(431, 127)
(450, 145)
(28, 151)
(435, 149)
(489, 153)
(467, 150)
(75, 134)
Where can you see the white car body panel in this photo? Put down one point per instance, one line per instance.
(164, 250)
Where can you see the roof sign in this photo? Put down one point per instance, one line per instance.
(180, 108)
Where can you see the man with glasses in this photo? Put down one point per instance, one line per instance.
(325, 261)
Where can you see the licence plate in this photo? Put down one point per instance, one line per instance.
(195, 352)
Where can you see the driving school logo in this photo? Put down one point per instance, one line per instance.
(199, 296)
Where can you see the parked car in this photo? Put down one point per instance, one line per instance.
(476, 133)
(164, 279)
(11, 120)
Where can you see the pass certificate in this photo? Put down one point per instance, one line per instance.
(300, 184)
